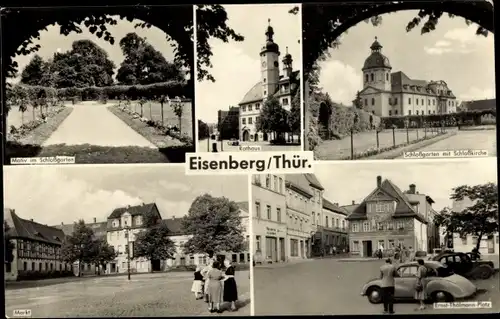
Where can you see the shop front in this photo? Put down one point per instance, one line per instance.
(270, 242)
(298, 244)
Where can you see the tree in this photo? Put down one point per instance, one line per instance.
(203, 130)
(162, 98)
(273, 118)
(102, 253)
(33, 73)
(178, 108)
(9, 246)
(296, 114)
(215, 225)
(479, 219)
(154, 243)
(143, 64)
(78, 247)
(141, 102)
(358, 102)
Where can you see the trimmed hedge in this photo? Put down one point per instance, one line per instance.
(465, 118)
(153, 91)
(37, 275)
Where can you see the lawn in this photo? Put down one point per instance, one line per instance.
(16, 118)
(338, 149)
(152, 111)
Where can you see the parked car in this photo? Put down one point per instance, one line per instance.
(233, 142)
(439, 251)
(463, 264)
(441, 284)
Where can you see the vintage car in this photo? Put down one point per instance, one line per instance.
(463, 264)
(233, 142)
(441, 284)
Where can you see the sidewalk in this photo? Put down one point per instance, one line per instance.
(284, 264)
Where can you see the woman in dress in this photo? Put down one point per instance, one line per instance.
(420, 284)
(215, 288)
(204, 273)
(230, 288)
(197, 287)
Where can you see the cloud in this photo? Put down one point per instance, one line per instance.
(235, 73)
(173, 186)
(49, 197)
(169, 209)
(458, 40)
(340, 80)
(475, 93)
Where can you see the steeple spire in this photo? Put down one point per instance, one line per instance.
(270, 31)
(376, 46)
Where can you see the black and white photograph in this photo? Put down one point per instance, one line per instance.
(101, 85)
(112, 241)
(368, 239)
(249, 97)
(390, 78)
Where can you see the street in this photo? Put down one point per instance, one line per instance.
(91, 123)
(333, 287)
(157, 294)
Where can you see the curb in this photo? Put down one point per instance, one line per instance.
(410, 148)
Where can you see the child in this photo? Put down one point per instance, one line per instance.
(197, 287)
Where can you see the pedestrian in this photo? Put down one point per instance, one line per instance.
(215, 288)
(334, 250)
(197, 287)
(387, 274)
(230, 288)
(411, 254)
(204, 273)
(420, 284)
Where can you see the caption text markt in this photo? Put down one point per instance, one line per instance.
(258, 162)
(446, 154)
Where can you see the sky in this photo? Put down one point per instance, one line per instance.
(236, 65)
(52, 41)
(345, 182)
(453, 53)
(54, 194)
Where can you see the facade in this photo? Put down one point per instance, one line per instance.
(299, 198)
(387, 218)
(282, 86)
(37, 247)
(487, 246)
(395, 94)
(332, 234)
(228, 123)
(269, 222)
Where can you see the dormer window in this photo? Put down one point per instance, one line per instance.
(116, 223)
(56, 238)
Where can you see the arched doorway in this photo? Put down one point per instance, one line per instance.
(265, 137)
(246, 136)
(256, 137)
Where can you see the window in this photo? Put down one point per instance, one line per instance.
(265, 93)
(417, 112)
(395, 112)
(366, 102)
(249, 108)
(400, 225)
(355, 245)
(314, 218)
(280, 185)
(278, 214)
(257, 106)
(326, 221)
(387, 76)
(380, 207)
(337, 222)
(39, 266)
(243, 121)
(409, 100)
(464, 240)
(268, 181)
(268, 212)
(390, 112)
(183, 261)
(428, 102)
(390, 226)
(366, 77)
(373, 101)
(343, 224)
(32, 266)
(366, 226)
(294, 247)
(396, 101)
(380, 226)
(138, 220)
(371, 77)
(256, 179)
(355, 227)
(416, 101)
(285, 102)
(250, 120)
(244, 108)
(257, 243)
(275, 183)
(433, 102)
(410, 271)
(381, 244)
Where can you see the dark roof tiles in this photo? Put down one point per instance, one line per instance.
(27, 229)
(132, 210)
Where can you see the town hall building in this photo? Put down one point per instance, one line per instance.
(282, 86)
(387, 93)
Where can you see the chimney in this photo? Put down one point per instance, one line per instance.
(173, 217)
(95, 220)
(379, 181)
(31, 219)
(412, 189)
(336, 204)
(354, 202)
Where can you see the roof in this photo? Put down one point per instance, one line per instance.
(479, 105)
(350, 208)
(27, 229)
(243, 206)
(403, 207)
(401, 83)
(376, 60)
(174, 226)
(313, 180)
(299, 183)
(133, 210)
(254, 94)
(334, 207)
(100, 229)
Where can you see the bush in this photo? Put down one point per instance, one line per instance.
(464, 118)
(38, 275)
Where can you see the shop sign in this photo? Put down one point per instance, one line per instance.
(271, 231)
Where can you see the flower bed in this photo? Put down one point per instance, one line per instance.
(375, 151)
(154, 131)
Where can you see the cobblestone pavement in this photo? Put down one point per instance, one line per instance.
(94, 124)
(158, 295)
(331, 287)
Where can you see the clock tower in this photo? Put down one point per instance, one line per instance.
(269, 57)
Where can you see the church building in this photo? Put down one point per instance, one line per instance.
(282, 86)
(387, 93)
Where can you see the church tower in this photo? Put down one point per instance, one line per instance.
(287, 64)
(269, 56)
(377, 69)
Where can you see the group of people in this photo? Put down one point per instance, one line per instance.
(401, 253)
(387, 274)
(215, 283)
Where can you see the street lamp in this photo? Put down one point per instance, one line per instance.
(127, 229)
(80, 247)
